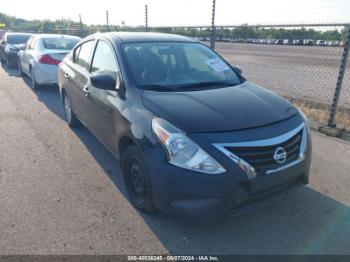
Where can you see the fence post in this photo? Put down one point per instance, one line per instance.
(213, 29)
(81, 26)
(62, 26)
(146, 18)
(338, 87)
(107, 21)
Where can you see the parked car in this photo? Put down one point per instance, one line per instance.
(309, 42)
(287, 41)
(40, 58)
(336, 43)
(298, 42)
(194, 138)
(278, 42)
(321, 43)
(10, 44)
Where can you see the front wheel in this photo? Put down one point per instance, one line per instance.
(137, 180)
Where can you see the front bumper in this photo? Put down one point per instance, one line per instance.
(11, 58)
(203, 197)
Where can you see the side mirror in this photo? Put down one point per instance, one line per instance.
(4, 43)
(104, 81)
(237, 69)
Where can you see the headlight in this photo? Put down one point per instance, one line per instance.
(306, 136)
(182, 151)
(306, 121)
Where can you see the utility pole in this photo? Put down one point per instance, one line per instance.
(81, 26)
(146, 18)
(62, 25)
(107, 20)
(213, 29)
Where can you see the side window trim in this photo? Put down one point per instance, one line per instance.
(29, 43)
(33, 43)
(75, 54)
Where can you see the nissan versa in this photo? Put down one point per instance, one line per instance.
(194, 138)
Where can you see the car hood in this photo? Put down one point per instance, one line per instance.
(218, 110)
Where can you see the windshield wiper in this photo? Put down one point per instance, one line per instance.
(155, 87)
(207, 84)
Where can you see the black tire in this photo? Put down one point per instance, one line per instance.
(71, 119)
(137, 181)
(6, 61)
(20, 67)
(34, 85)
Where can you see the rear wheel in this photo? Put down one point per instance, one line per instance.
(71, 119)
(137, 180)
(20, 67)
(34, 84)
(6, 62)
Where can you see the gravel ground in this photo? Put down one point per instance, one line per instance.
(305, 72)
(61, 192)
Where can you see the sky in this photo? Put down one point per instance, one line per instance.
(183, 12)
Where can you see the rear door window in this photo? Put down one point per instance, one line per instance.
(76, 54)
(29, 43)
(32, 44)
(59, 43)
(85, 54)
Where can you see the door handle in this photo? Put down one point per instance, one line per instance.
(66, 76)
(86, 91)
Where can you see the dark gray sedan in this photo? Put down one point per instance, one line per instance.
(193, 137)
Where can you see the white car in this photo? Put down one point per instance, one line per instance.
(41, 56)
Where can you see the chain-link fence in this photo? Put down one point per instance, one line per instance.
(305, 70)
(301, 62)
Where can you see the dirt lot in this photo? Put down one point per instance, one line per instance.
(61, 192)
(307, 72)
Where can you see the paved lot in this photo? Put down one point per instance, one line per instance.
(61, 192)
(308, 72)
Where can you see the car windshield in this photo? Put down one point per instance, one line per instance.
(17, 39)
(165, 66)
(60, 43)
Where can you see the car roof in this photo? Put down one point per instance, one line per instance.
(17, 33)
(131, 37)
(56, 36)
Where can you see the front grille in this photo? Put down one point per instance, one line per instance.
(261, 158)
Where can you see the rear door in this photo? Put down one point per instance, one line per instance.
(77, 79)
(24, 55)
(103, 116)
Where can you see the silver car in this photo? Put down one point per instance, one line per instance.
(41, 56)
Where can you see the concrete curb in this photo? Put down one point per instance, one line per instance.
(329, 131)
